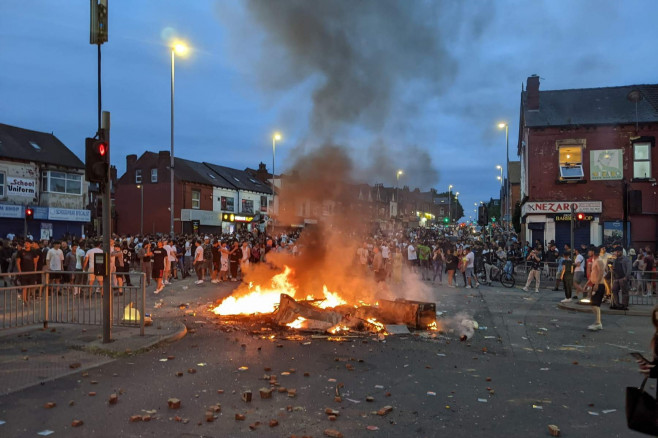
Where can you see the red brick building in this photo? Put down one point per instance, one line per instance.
(202, 193)
(594, 148)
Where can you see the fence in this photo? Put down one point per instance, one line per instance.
(642, 286)
(29, 298)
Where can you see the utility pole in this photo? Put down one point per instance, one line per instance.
(98, 35)
(573, 216)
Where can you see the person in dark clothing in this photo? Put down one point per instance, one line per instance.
(234, 260)
(127, 254)
(27, 260)
(622, 270)
(159, 259)
(566, 275)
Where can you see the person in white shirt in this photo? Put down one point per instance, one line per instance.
(198, 262)
(167, 266)
(54, 262)
(89, 263)
(412, 258)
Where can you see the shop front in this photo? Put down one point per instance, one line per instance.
(47, 223)
(548, 221)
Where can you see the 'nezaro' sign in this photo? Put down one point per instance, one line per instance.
(553, 207)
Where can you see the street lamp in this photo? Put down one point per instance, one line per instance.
(450, 204)
(397, 191)
(141, 216)
(180, 48)
(275, 137)
(507, 203)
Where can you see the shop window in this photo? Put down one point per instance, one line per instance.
(571, 162)
(196, 199)
(154, 175)
(138, 176)
(642, 160)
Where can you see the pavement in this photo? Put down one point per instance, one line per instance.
(34, 355)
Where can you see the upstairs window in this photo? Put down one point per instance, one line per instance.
(62, 182)
(154, 175)
(571, 162)
(196, 199)
(138, 176)
(642, 160)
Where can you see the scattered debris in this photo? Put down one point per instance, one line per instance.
(173, 403)
(246, 396)
(113, 399)
(385, 410)
(240, 417)
(553, 430)
(77, 423)
(332, 433)
(50, 405)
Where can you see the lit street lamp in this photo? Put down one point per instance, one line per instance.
(450, 204)
(275, 137)
(397, 191)
(180, 48)
(506, 191)
(141, 216)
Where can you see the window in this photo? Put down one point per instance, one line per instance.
(196, 199)
(154, 175)
(236, 179)
(571, 162)
(263, 203)
(61, 182)
(642, 160)
(2, 184)
(247, 206)
(138, 176)
(211, 175)
(35, 146)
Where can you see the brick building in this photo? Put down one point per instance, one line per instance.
(594, 148)
(202, 192)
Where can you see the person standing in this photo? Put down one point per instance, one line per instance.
(412, 257)
(397, 265)
(566, 276)
(534, 273)
(452, 262)
(166, 273)
(199, 262)
(378, 266)
(146, 256)
(54, 263)
(598, 290)
(622, 269)
(26, 261)
(579, 278)
(424, 253)
(160, 261)
(234, 260)
(470, 265)
(437, 263)
(89, 263)
(127, 253)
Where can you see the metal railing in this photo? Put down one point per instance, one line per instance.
(28, 298)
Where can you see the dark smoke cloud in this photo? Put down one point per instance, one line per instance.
(361, 56)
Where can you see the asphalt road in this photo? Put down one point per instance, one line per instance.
(532, 366)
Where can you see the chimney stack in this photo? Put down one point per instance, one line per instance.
(532, 102)
(130, 162)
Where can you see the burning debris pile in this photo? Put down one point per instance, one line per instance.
(329, 313)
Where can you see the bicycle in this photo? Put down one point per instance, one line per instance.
(499, 272)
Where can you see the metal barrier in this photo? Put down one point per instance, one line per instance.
(29, 298)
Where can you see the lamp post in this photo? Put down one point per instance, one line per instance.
(180, 48)
(507, 203)
(450, 204)
(141, 216)
(397, 191)
(276, 137)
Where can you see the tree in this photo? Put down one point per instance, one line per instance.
(455, 205)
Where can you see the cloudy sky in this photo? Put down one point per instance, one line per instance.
(418, 86)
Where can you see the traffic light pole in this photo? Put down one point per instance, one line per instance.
(107, 291)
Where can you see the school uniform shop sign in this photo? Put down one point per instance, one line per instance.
(26, 188)
(554, 207)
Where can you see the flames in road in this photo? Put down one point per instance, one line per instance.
(264, 299)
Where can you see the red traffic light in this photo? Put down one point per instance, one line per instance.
(101, 148)
(29, 213)
(580, 216)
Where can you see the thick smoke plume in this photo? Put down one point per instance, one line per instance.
(362, 57)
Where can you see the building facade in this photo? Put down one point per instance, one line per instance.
(38, 171)
(202, 193)
(593, 149)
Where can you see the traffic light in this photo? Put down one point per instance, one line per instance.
(483, 215)
(493, 219)
(580, 216)
(446, 220)
(29, 214)
(97, 160)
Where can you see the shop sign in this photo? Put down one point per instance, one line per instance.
(606, 164)
(567, 217)
(69, 214)
(26, 188)
(12, 211)
(553, 207)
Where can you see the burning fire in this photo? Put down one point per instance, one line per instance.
(265, 299)
(377, 325)
(433, 326)
(298, 323)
